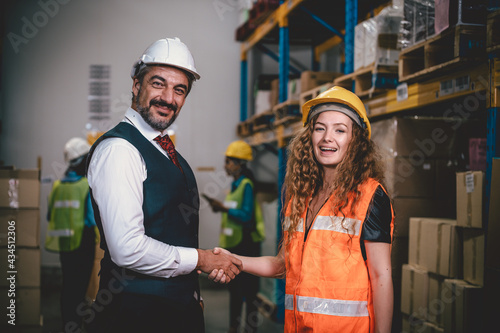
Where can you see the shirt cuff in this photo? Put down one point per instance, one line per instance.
(189, 260)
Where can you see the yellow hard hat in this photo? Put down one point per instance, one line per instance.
(239, 149)
(337, 99)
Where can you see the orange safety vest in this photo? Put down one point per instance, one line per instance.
(327, 283)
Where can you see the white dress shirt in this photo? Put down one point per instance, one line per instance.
(116, 175)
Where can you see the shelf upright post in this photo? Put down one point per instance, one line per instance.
(280, 283)
(351, 19)
(315, 59)
(493, 123)
(244, 87)
(284, 68)
(284, 63)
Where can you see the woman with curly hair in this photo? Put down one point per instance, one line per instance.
(338, 224)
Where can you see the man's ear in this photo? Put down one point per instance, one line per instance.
(136, 86)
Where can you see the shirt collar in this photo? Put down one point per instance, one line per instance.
(136, 119)
(71, 176)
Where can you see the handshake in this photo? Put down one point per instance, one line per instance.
(221, 265)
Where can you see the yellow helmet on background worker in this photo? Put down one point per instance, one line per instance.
(75, 148)
(167, 51)
(240, 150)
(337, 99)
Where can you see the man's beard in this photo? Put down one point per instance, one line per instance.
(147, 115)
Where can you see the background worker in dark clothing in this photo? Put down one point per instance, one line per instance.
(71, 231)
(242, 232)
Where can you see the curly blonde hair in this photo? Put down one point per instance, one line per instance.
(304, 175)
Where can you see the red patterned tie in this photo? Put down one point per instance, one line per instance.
(168, 146)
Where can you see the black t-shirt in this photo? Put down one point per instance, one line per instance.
(377, 225)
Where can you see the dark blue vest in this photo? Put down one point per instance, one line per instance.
(170, 207)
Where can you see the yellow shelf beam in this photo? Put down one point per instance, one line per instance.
(428, 93)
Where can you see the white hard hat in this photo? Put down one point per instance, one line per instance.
(167, 51)
(74, 148)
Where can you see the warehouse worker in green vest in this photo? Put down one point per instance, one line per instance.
(242, 232)
(71, 232)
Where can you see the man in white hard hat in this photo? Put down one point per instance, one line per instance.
(146, 206)
(71, 231)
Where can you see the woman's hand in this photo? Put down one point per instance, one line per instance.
(217, 206)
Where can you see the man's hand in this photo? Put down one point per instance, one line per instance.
(218, 275)
(225, 264)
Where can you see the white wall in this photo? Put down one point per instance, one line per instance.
(45, 82)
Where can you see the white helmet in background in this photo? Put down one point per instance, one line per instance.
(75, 148)
(167, 51)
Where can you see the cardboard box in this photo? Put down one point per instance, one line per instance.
(435, 246)
(93, 286)
(262, 101)
(21, 226)
(463, 307)
(491, 278)
(25, 269)
(470, 199)
(414, 290)
(429, 178)
(446, 179)
(419, 292)
(294, 89)
(415, 325)
(422, 138)
(473, 254)
(310, 79)
(435, 309)
(492, 258)
(20, 188)
(406, 207)
(27, 308)
(405, 179)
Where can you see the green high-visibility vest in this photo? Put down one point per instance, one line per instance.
(231, 230)
(67, 215)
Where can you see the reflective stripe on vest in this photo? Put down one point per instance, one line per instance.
(331, 307)
(61, 233)
(327, 282)
(330, 223)
(67, 204)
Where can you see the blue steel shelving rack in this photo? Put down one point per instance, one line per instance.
(280, 18)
